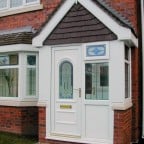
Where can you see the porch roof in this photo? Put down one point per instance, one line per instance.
(21, 35)
(113, 20)
(115, 15)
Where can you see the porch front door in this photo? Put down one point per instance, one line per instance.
(66, 92)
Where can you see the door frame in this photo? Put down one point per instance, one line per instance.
(48, 105)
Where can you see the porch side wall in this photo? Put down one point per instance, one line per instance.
(122, 126)
(127, 122)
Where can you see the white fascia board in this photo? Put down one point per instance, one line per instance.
(134, 40)
(38, 40)
(123, 33)
(127, 35)
(18, 48)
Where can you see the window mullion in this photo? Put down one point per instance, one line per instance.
(8, 3)
(24, 2)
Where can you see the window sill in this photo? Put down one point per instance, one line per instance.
(21, 10)
(122, 105)
(17, 103)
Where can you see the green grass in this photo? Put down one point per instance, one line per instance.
(7, 138)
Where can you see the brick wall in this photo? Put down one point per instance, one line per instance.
(122, 126)
(135, 96)
(34, 18)
(19, 120)
(42, 123)
(127, 8)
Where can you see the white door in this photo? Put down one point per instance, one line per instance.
(66, 92)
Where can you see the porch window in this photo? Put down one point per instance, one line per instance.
(96, 81)
(31, 75)
(127, 72)
(9, 75)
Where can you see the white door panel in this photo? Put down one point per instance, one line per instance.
(66, 93)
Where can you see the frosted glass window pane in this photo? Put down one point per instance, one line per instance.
(9, 82)
(97, 81)
(66, 80)
(16, 3)
(29, 1)
(127, 81)
(31, 60)
(3, 4)
(11, 59)
(31, 81)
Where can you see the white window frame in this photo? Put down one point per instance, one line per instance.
(25, 7)
(24, 4)
(11, 67)
(31, 66)
(104, 57)
(129, 69)
(22, 74)
(22, 99)
(98, 84)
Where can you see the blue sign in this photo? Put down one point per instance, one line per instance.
(96, 50)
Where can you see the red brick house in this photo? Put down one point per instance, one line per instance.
(70, 70)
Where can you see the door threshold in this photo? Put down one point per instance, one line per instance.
(76, 139)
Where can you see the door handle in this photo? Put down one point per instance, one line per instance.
(79, 90)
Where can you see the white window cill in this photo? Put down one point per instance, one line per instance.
(10, 7)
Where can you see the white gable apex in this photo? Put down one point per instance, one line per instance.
(123, 33)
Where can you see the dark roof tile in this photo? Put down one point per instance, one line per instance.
(16, 36)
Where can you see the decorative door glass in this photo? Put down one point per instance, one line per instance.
(97, 81)
(66, 80)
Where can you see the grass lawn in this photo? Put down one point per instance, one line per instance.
(6, 138)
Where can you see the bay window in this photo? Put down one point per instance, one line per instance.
(9, 75)
(18, 75)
